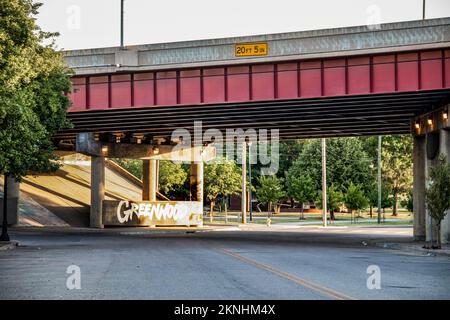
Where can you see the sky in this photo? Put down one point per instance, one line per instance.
(96, 23)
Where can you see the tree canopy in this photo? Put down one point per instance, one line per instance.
(347, 162)
(270, 190)
(300, 187)
(222, 177)
(397, 165)
(171, 176)
(34, 83)
(354, 198)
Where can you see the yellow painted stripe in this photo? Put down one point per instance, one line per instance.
(307, 284)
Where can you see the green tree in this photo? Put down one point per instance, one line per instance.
(408, 201)
(34, 83)
(171, 179)
(386, 198)
(222, 178)
(397, 166)
(300, 188)
(133, 166)
(270, 190)
(347, 162)
(437, 193)
(289, 151)
(171, 176)
(335, 199)
(354, 198)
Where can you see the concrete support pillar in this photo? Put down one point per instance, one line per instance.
(97, 191)
(150, 179)
(13, 199)
(192, 182)
(420, 165)
(199, 173)
(196, 182)
(444, 147)
(13, 202)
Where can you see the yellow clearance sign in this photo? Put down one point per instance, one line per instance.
(251, 49)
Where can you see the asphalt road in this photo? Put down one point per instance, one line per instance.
(306, 264)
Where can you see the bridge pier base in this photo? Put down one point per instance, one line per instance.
(196, 182)
(13, 202)
(97, 191)
(426, 154)
(149, 179)
(419, 168)
(444, 147)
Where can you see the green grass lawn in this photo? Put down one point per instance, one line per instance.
(402, 214)
(403, 218)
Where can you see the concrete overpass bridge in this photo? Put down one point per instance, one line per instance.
(390, 79)
(360, 81)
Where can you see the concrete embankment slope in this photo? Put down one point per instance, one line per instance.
(63, 197)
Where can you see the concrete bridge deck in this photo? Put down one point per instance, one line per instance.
(338, 42)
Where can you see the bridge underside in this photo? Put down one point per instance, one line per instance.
(374, 114)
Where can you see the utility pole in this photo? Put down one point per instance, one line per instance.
(5, 236)
(324, 182)
(121, 23)
(379, 179)
(250, 179)
(423, 10)
(244, 182)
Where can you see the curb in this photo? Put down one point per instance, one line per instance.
(8, 245)
(413, 249)
(118, 231)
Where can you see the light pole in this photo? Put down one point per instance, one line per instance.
(324, 181)
(423, 10)
(244, 183)
(250, 179)
(121, 23)
(379, 179)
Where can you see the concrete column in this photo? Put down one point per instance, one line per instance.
(192, 182)
(145, 180)
(13, 202)
(196, 181)
(149, 179)
(97, 191)
(199, 182)
(419, 175)
(444, 147)
(432, 143)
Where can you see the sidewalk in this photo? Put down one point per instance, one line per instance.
(7, 245)
(416, 247)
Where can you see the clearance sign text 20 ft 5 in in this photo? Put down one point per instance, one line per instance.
(251, 49)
